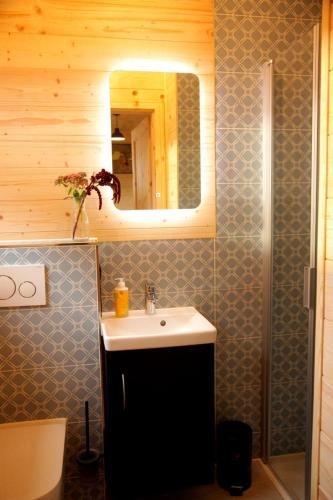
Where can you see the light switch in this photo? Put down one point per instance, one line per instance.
(22, 286)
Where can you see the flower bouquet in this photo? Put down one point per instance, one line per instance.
(79, 187)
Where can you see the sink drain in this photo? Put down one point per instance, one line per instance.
(163, 323)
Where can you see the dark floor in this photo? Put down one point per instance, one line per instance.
(91, 487)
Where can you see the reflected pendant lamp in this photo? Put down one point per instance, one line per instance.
(117, 135)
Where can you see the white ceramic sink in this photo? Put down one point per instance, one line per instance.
(174, 326)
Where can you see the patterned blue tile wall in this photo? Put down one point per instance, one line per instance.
(248, 33)
(188, 100)
(49, 355)
(222, 278)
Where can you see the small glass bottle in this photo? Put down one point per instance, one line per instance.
(80, 228)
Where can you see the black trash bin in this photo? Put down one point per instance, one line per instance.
(234, 456)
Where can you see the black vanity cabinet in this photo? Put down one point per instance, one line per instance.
(159, 419)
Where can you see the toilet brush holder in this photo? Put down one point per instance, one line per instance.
(88, 457)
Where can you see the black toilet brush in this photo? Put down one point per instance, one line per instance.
(88, 456)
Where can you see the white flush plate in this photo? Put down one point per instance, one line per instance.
(22, 286)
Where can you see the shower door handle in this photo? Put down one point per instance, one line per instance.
(309, 291)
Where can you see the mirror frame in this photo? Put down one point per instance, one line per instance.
(199, 222)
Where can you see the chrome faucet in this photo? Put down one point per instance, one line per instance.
(150, 299)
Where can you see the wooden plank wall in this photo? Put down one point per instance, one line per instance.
(323, 454)
(55, 59)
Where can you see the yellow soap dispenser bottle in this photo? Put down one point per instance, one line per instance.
(121, 299)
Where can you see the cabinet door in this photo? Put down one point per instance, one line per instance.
(161, 418)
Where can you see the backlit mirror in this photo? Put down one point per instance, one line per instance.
(155, 120)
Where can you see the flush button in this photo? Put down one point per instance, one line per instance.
(22, 286)
(27, 289)
(7, 287)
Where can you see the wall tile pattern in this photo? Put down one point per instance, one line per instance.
(249, 33)
(304, 9)
(188, 140)
(218, 277)
(49, 355)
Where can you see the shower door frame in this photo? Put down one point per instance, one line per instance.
(311, 306)
(268, 102)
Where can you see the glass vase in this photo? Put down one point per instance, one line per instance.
(80, 226)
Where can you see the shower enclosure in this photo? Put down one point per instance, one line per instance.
(290, 120)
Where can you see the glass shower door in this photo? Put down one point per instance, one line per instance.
(290, 157)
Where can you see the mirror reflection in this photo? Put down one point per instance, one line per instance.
(155, 120)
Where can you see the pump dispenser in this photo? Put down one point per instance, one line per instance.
(121, 299)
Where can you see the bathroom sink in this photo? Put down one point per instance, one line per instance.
(170, 327)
